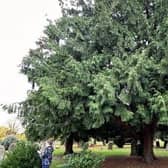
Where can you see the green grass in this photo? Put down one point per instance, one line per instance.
(59, 152)
(113, 152)
(103, 151)
(161, 152)
(56, 163)
(100, 151)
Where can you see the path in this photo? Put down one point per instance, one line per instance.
(133, 162)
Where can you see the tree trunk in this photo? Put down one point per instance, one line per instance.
(137, 148)
(165, 144)
(69, 145)
(94, 141)
(134, 148)
(104, 143)
(148, 135)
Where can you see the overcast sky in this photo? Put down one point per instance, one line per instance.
(21, 24)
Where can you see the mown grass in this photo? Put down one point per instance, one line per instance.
(161, 152)
(113, 152)
(56, 163)
(103, 151)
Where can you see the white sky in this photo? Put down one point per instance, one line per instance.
(21, 24)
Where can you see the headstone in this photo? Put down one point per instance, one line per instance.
(110, 145)
(2, 152)
(167, 146)
(157, 144)
(11, 146)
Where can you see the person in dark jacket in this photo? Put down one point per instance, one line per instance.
(47, 155)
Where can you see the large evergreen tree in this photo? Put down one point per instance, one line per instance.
(134, 34)
(103, 61)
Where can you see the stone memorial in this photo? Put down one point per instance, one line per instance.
(2, 152)
(11, 146)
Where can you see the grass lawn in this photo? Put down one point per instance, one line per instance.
(56, 163)
(103, 151)
(161, 152)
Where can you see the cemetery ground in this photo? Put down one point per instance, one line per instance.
(117, 157)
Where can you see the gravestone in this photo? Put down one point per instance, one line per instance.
(11, 146)
(157, 144)
(167, 147)
(110, 145)
(2, 152)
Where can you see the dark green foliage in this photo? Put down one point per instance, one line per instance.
(24, 155)
(85, 159)
(8, 141)
(119, 141)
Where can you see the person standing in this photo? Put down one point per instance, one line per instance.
(47, 155)
(45, 161)
(49, 150)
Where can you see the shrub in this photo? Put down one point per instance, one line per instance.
(24, 155)
(85, 159)
(8, 141)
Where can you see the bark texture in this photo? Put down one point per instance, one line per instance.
(69, 145)
(148, 136)
(134, 148)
